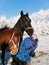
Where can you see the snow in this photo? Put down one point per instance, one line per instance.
(40, 23)
(42, 52)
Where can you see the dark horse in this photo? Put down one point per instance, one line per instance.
(10, 38)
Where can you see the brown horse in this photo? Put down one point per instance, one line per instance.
(13, 36)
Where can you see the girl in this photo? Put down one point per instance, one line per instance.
(28, 44)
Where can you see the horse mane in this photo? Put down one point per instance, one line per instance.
(1, 29)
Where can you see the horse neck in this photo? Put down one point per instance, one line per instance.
(20, 31)
(20, 28)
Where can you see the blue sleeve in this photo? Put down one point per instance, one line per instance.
(35, 45)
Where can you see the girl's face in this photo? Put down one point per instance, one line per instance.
(34, 36)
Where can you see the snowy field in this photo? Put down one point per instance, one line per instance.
(42, 53)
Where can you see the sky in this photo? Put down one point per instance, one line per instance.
(12, 8)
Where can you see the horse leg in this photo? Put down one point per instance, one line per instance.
(15, 61)
(3, 48)
(2, 56)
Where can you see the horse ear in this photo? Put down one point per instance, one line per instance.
(27, 14)
(21, 13)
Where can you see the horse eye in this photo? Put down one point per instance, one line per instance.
(26, 23)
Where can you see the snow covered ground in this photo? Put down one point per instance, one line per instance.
(42, 52)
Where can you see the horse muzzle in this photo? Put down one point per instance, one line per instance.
(29, 30)
(14, 50)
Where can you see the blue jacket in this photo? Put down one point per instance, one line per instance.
(25, 49)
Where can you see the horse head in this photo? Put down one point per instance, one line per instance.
(24, 24)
